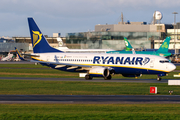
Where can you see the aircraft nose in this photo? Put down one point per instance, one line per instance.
(171, 67)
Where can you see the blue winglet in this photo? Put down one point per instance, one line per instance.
(20, 57)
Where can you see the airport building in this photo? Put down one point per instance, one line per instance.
(139, 34)
(8, 45)
(175, 36)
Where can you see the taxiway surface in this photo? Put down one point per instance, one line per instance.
(110, 99)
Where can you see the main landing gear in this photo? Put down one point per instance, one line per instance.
(88, 77)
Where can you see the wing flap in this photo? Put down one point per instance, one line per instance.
(67, 64)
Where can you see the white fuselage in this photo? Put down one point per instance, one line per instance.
(121, 63)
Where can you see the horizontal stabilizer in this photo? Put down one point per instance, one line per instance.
(30, 55)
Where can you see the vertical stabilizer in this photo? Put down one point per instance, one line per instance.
(165, 45)
(39, 42)
(128, 45)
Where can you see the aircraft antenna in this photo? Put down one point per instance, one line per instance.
(122, 19)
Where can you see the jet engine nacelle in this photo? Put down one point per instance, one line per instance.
(99, 72)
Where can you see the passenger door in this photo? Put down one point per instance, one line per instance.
(152, 63)
(48, 58)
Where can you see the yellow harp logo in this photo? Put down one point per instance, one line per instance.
(37, 36)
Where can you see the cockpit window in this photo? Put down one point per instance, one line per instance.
(164, 61)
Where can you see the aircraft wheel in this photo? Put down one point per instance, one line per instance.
(158, 79)
(108, 77)
(88, 77)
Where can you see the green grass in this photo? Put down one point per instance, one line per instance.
(81, 111)
(22, 66)
(90, 111)
(29, 87)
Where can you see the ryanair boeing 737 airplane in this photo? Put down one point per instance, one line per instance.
(95, 64)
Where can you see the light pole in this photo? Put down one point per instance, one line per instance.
(174, 30)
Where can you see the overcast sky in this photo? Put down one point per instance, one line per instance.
(67, 16)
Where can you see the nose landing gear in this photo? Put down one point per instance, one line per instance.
(160, 75)
(158, 78)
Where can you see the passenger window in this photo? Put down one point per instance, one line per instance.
(164, 61)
